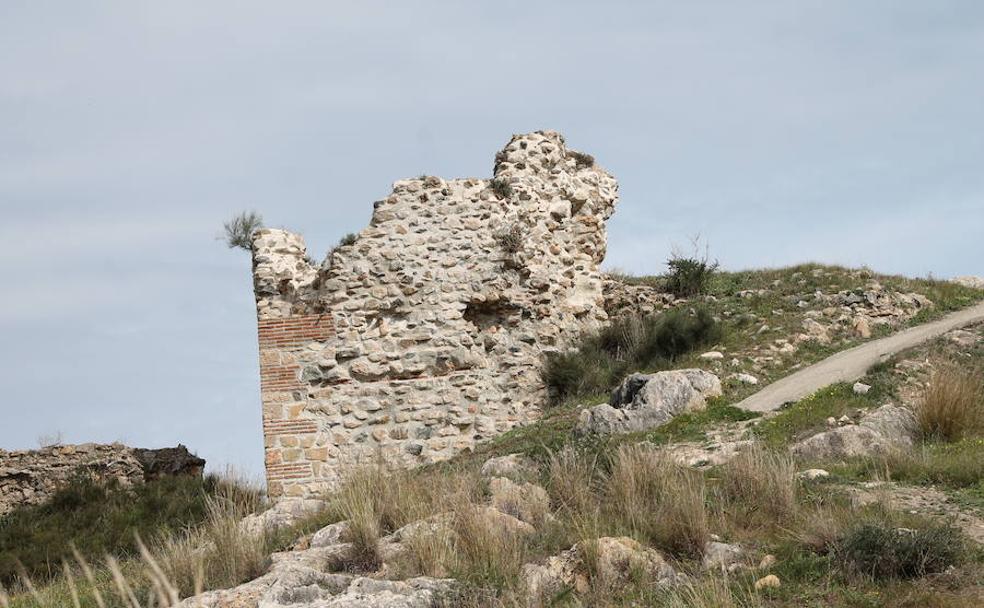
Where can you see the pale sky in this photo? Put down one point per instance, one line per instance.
(837, 131)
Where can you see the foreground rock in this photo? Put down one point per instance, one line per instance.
(616, 559)
(888, 428)
(302, 579)
(30, 477)
(646, 401)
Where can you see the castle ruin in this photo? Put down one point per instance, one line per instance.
(426, 334)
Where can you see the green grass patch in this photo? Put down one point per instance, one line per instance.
(100, 520)
(956, 466)
(691, 426)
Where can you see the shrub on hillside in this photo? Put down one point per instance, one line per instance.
(628, 344)
(953, 405)
(882, 550)
(690, 275)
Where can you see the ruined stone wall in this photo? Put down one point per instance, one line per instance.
(425, 336)
(29, 477)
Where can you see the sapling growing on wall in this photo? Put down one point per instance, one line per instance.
(240, 229)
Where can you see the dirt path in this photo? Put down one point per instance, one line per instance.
(851, 364)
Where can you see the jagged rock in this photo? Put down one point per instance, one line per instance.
(512, 466)
(860, 388)
(645, 401)
(888, 427)
(525, 501)
(616, 560)
(169, 462)
(330, 535)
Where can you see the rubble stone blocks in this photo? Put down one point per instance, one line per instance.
(425, 335)
(30, 477)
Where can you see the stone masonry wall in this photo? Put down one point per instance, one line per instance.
(29, 477)
(425, 336)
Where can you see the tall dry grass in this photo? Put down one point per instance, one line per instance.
(761, 481)
(654, 499)
(953, 405)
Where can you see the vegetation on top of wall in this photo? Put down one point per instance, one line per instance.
(240, 229)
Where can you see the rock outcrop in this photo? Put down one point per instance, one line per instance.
(29, 477)
(646, 401)
(887, 428)
(615, 560)
(424, 335)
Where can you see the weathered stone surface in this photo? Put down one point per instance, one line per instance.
(616, 560)
(513, 466)
(424, 336)
(722, 556)
(645, 401)
(525, 501)
(302, 579)
(169, 462)
(29, 477)
(886, 428)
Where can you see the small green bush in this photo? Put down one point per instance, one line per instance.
(501, 187)
(628, 344)
(881, 550)
(240, 229)
(348, 239)
(689, 276)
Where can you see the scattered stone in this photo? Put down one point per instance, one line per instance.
(886, 428)
(712, 356)
(645, 401)
(813, 474)
(963, 338)
(769, 581)
(330, 535)
(860, 388)
(745, 378)
(845, 419)
(768, 560)
(831, 422)
(861, 327)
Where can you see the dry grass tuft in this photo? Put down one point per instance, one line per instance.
(653, 498)
(953, 404)
(714, 592)
(761, 481)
